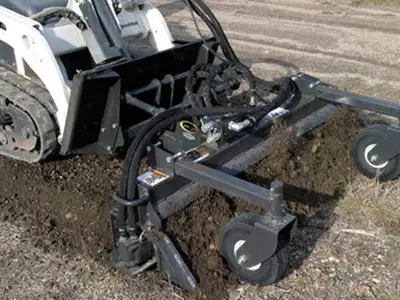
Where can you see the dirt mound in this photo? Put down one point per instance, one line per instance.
(66, 203)
(315, 167)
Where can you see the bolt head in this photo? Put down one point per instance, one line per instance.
(242, 259)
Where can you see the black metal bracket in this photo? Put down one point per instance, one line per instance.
(266, 238)
(312, 88)
(171, 262)
(141, 201)
(133, 255)
(388, 148)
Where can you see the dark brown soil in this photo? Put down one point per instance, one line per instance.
(315, 169)
(65, 204)
(196, 230)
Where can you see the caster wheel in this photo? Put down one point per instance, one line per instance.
(234, 236)
(364, 144)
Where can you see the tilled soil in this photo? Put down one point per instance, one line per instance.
(66, 203)
(315, 169)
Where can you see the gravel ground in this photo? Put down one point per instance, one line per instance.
(341, 265)
(354, 47)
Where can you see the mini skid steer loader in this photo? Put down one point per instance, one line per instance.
(70, 84)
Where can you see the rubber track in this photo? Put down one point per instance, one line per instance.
(32, 88)
(38, 104)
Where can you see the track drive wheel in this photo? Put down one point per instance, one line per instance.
(234, 236)
(364, 143)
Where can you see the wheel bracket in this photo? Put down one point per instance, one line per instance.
(387, 148)
(265, 239)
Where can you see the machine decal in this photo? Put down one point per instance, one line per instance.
(188, 127)
(152, 178)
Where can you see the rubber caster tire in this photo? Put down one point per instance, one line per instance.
(363, 144)
(234, 236)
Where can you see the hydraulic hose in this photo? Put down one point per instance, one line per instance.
(167, 117)
(128, 187)
(131, 151)
(128, 184)
(191, 81)
(131, 165)
(145, 129)
(204, 12)
(241, 72)
(283, 98)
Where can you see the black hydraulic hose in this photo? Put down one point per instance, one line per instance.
(283, 98)
(139, 144)
(191, 81)
(204, 12)
(130, 153)
(153, 126)
(220, 32)
(146, 127)
(219, 29)
(128, 185)
(240, 70)
(130, 170)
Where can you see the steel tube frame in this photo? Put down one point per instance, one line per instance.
(230, 185)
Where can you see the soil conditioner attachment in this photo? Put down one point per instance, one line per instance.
(71, 85)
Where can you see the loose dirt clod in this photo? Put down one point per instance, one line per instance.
(65, 204)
